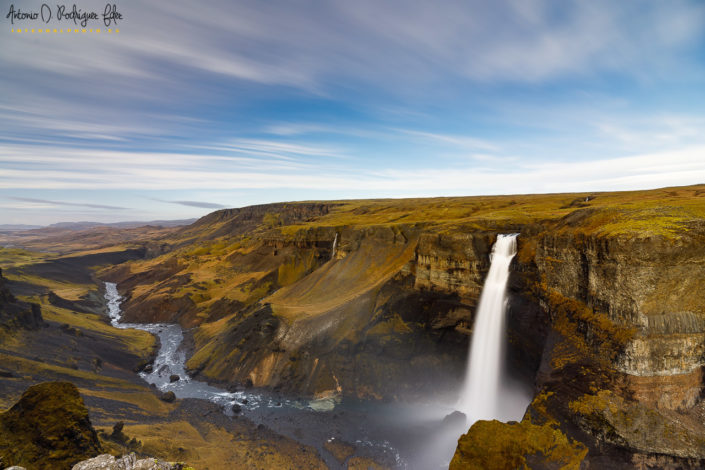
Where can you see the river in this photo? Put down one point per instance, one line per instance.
(403, 436)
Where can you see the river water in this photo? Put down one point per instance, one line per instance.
(403, 436)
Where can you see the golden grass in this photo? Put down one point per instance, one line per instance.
(66, 290)
(138, 342)
(225, 268)
(664, 211)
(213, 447)
(211, 276)
(40, 371)
(143, 398)
(339, 281)
(15, 257)
(363, 463)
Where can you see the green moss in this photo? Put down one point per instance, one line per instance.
(576, 322)
(272, 219)
(48, 428)
(632, 424)
(527, 251)
(492, 445)
(363, 463)
(295, 268)
(589, 404)
(663, 212)
(395, 324)
(15, 257)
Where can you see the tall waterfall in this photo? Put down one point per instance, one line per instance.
(479, 397)
(335, 244)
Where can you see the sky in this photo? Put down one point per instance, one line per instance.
(195, 106)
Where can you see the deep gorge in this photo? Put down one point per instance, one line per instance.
(605, 323)
(592, 318)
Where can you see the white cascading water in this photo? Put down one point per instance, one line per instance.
(483, 379)
(335, 243)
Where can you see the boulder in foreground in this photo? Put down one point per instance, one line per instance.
(48, 428)
(490, 445)
(126, 462)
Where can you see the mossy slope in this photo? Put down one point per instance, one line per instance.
(491, 445)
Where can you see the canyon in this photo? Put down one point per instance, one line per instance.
(375, 300)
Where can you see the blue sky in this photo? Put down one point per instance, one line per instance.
(193, 107)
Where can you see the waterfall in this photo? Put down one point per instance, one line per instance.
(335, 243)
(479, 397)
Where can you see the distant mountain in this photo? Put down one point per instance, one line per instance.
(17, 227)
(133, 224)
(77, 226)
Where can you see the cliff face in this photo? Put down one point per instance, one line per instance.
(650, 285)
(453, 263)
(331, 317)
(622, 334)
(604, 306)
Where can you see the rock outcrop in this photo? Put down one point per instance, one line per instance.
(646, 283)
(48, 428)
(126, 462)
(15, 314)
(491, 445)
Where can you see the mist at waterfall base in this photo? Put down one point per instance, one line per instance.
(400, 435)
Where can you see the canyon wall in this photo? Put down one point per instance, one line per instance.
(650, 285)
(399, 280)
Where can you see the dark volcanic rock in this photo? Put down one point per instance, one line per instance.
(174, 378)
(48, 428)
(167, 397)
(16, 314)
(454, 419)
(57, 301)
(143, 366)
(117, 434)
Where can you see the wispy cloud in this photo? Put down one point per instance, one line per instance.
(45, 202)
(674, 167)
(389, 48)
(200, 204)
(279, 149)
(460, 141)
(654, 130)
